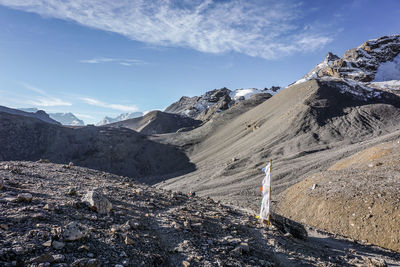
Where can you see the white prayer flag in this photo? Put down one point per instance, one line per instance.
(266, 186)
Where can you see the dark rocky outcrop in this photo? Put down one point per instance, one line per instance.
(204, 107)
(38, 114)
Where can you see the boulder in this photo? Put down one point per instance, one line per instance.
(97, 201)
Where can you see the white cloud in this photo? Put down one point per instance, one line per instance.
(44, 100)
(121, 61)
(267, 29)
(48, 102)
(95, 102)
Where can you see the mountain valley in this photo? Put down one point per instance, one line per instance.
(184, 182)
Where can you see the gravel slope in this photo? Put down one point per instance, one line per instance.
(144, 227)
(303, 128)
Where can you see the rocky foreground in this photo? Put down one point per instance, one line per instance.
(62, 215)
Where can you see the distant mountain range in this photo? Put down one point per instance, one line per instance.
(63, 118)
(121, 117)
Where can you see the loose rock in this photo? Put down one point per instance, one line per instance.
(73, 232)
(25, 197)
(97, 201)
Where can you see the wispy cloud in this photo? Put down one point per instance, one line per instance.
(267, 29)
(44, 99)
(120, 61)
(98, 103)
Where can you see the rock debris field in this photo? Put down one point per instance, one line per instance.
(62, 215)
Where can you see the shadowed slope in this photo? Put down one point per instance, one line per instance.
(120, 151)
(157, 122)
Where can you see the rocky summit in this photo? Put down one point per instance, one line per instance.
(360, 63)
(138, 225)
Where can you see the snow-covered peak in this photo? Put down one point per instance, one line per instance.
(374, 65)
(67, 119)
(361, 63)
(121, 117)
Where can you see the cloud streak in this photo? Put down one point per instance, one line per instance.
(269, 31)
(98, 103)
(120, 61)
(44, 100)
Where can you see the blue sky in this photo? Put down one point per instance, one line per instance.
(97, 58)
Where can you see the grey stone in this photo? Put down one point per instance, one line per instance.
(73, 231)
(97, 201)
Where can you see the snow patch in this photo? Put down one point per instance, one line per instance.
(388, 71)
(386, 85)
(239, 94)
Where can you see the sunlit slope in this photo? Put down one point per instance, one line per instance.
(302, 128)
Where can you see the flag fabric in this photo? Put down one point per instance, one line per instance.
(266, 186)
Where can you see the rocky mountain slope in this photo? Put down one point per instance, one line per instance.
(205, 106)
(38, 114)
(56, 215)
(356, 197)
(158, 122)
(121, 151)
(303, 128)
(121, 117)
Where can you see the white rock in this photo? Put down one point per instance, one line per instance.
(97, 201)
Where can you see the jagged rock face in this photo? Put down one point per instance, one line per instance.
(198, 107)
(206, 106)
(360, 63)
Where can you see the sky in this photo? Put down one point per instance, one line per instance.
(99, 58)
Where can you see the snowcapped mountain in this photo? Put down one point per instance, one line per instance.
(366, 70)
(121, 117)
(204, 106)
(67, 119)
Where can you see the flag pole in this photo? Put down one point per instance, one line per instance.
(269, 194)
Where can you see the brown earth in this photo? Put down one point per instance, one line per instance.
(358, 197)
